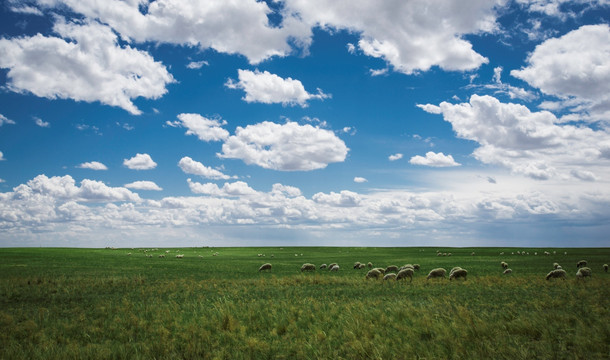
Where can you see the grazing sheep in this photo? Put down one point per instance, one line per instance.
(323, 266)
(357, 265)
(381, 270)
(448, 254)
(556, 266)
(362, 266)
(436, 273)
(581, 263)
(583, 272)
(266, 266)
(439, 254)
(390, 276)
(459, 273)
(416, 266)
(453, 270)
(335, 268)
(605, 267)
(407, 266)
(179, 256)
(373, 274)
(502, 253)
(558, 273)
(504, 265)
(405, 273)
(391, 268)
(507, 271)
(162, 255)
(370, 265)
(331, 266)
(308, 267)
(472, 253)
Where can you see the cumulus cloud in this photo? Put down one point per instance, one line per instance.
(207, 24)
(411, 36)
(343, 199)
(5, 120)
(143, 185)
(534, 144)
(359, 179)
(268, 88)
(285, 147)
(190, 166)
(395, 157)
(197, 64)
(38, 121)
(205, 129)
(238, 188)
(85, 63)
(140, 162)
(434, 159)
(2, 156)
(582, 57)
(93, 165)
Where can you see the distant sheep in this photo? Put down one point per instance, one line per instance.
(370, 265)
(605, 267)
(508, 271)
(405, 273)
(504, 265)
(179, 256)
(373, 274)
(323, 266)
(472, 253)
(581, 263)
(308, 267)
(558, 273)
(556, 266)
(362, 266)
(583, 272)
(381, 270)
(436, 273)
(334, 268)
(459, 273)
(162, 255)
(357, 265)
(453, 270)
(390, 276)
(391, 268)
(331, 266)
(266, 266)
(407, 266)
(416, 266)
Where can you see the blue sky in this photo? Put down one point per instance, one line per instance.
(244, 123)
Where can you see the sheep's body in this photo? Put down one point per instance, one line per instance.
(335, 268)
(557, 273)
(357, 265)
(459, 273)
(370, 265)
(323, 266)
(390, 276)
(266, 266)
(405, 273)
(453, 270)
(308, 267)
(583, 272)
(180, 256)
(381, 270)
(581, 263)
(362, 266)
(373, 274)
(436, 273)
(605, 267)
(407, 266)
(331, 266)
(556, 266)
(504, 265)
(391, 268)
(416, 266)
(507, 271)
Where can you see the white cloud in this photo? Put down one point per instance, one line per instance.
(359, 179)
(143, 185)
(190, 166)
(197, 64)
(2, 156)
(238, 188)
(582, 58)
(378, 72)
(434, 159)
(205, 129)
(235, 27)
(5, 120)
(268, 88)
(343, 199)
(411, 36)
(93, 165)
(25, 9)
(91, 66)
(41, 122)
(395, 157)
(287, 147)
(528, 143)
(140, 162)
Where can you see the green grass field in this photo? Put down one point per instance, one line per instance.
(102, 303)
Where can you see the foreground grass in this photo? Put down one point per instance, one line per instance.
(85, 303)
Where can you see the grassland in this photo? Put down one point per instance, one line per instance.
(102, 303)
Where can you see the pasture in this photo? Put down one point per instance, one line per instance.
(60, 303)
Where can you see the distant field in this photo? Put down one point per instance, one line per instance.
(102, 303)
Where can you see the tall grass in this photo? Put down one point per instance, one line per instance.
(98, 303)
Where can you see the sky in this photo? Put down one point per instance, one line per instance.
(305, 122)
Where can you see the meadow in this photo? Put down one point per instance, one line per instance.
(58, 303)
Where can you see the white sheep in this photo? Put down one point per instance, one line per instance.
(389, 276)
(391, 268)
(308, 267)
(381, 270)
(556, 266)
(459, 273)
(407, 266)
(557, 273)
(605, 267)
(405, 273)
(357, 265)
(370, 265)
(416, 266)
(507, 271)
(335, 268)
(581, 263)
(436, 273)
(373, 274)
(504, 265)
(266, 266)
(162, 255)
(323, 266)
(362, 266)
(453, 270)
(583, 272)
(180, 256)
(331, 266)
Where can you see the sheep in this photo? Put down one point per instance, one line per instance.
(179, 256)
(266, 266)
(605, 267)
(556, 266)
(308, 267)
(472, 253)
(435, 273)
(357, 265)
(416, 266)
(373, 274)
(508, 271)
(391, 268)
(453, 270)
(407, 266)
(583, 272)
(370, 265)
(581, 263)
(362, 266)
(459, 273)
(405, 273)
(331, 266)
(334, 268)
(323, 266)
(504, 265)
(557, 273)
(381, 270)
(389, 276)
(162, 255)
